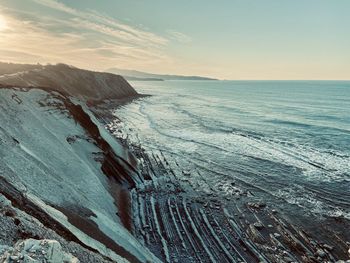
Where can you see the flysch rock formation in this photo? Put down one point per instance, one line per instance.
(71, 192)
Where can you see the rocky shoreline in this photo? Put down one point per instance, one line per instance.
(116, 200)
(180, 223)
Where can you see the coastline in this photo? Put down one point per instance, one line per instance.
(178, 223)
(170, 214)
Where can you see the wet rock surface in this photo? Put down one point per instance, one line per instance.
(179, 222)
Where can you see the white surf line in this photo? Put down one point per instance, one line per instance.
(164, 243)
(196, 232)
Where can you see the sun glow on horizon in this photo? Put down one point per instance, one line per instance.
(3, 23)
(228, 41)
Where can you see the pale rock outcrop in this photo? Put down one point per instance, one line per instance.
(36, 251)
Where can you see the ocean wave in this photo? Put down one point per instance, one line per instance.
(318, 164)
(297, 195)
(306, 125)
(267, 148)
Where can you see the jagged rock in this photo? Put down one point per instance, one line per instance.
(256, 205)
(255, 235)
(258, 225)
(4, 202)
(36, 251)
(328, 247)
(4, 248)
(276, 235)
(30, 227)
(320, 253)
(288, 259)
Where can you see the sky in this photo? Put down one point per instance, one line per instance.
(227, 39)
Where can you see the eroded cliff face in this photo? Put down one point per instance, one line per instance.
(59, 166)
(84, 84)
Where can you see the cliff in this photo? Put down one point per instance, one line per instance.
(79, 83)
(60, 167)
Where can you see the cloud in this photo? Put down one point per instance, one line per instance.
(82, 38)
(106, 24)
(178, 36)
(57, 5)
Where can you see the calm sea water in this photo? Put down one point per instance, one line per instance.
(286, 141)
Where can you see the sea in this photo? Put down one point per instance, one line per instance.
(286, 142)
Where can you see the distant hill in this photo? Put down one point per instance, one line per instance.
(129, 78)
(129, 74)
